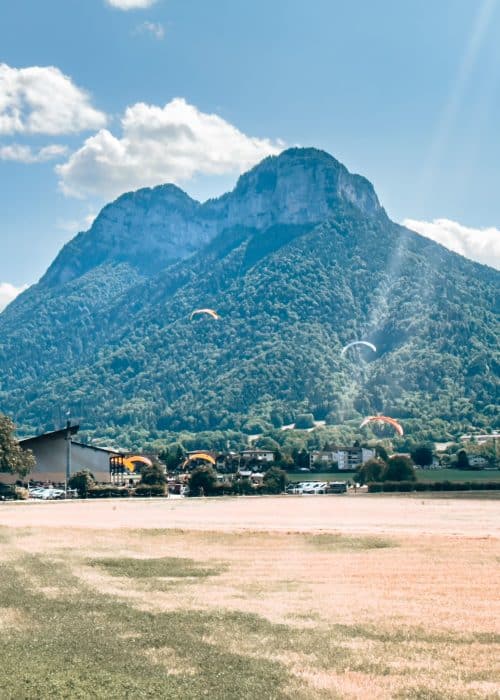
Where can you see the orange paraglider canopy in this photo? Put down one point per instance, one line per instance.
(384, 419)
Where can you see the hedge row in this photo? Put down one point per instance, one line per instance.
(124, 492)
(405, 486)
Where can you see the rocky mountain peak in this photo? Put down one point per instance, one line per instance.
(152, 227)
(299, 186)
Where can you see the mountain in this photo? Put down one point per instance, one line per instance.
(299, 259)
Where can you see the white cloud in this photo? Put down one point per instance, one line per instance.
(42, 100)
(8, 292)
(25, 154)
(154, 28)
(75, 225)
(479, 244)
(160, 144)
(131, 4)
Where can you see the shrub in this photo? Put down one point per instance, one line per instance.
(304, 421)
(243, 487)
(149, 490)
(275, 480)
(202, 481)
(108, 492)
(82, 481)
(153, 475)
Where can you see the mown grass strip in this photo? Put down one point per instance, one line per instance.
(168, 567)
(338, 543)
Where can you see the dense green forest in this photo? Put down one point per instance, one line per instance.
(117, 348)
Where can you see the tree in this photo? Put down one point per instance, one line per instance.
(275, 480)
(13, 459)
(172, 456)
(371, 470)
(462, 460)
(82, 481)
(153, 475)
(381, 452)
(266, 443)
(399, 468)
(202, 481)
(304, 421)
(422, 455)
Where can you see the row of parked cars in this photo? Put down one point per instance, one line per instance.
(46, 493)
(317, 487)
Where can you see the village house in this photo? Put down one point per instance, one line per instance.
(346, 458)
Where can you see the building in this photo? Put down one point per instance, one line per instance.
(51, 452)
(480, 439)
(346, 458)
(255, 456)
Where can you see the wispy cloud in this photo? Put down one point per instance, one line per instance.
(75, 225)
(25, 154)
(42, 100)
(479, 244)
(8, 292)
(131, 4)
(160, 144)
(154, 28)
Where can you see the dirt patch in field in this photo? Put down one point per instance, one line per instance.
(12, 619)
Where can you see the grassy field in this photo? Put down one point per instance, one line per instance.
(458, 475)
(422, 475)
(136, 613)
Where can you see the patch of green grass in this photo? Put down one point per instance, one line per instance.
(85, 644)
(457, 475)
(338, 543)
(171, 567)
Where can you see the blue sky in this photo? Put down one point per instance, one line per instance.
(96, 97)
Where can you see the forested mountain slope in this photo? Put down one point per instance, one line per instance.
(298, 260)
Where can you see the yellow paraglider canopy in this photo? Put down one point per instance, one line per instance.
(131, 463)
(198, 455)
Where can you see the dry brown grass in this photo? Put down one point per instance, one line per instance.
(403, 615)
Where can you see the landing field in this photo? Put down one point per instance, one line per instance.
(286, 597)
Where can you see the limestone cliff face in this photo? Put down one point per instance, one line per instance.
(149, 229)
(300, 186)
(153, 227)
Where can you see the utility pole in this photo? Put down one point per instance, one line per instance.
(68, 455)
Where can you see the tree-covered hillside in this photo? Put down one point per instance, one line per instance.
(290, 295)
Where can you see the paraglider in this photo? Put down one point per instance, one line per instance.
(132, 463)
(210, 312)
(358, 342)
(198, 455)
(383, 419)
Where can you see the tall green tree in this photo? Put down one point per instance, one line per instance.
(462, 460)
(153, 474)
(422, 455)
(371, 470)
(275, 480)
(13, 459)
(399, 468)
(202, 481)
